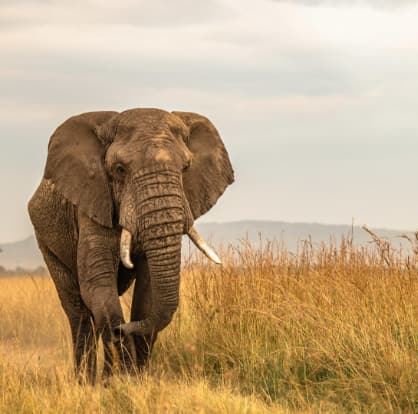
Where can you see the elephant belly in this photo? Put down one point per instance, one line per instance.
(125, 278)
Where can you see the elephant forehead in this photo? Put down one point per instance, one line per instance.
(152, 122)
(147, 131)
(144, 116)
(160, 151)
(162, 155)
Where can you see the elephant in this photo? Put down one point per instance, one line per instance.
(118, 191)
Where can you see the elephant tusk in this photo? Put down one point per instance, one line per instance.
(198, 240)
(125, 248)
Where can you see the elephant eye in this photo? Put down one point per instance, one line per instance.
(187, 165)
(119, 171)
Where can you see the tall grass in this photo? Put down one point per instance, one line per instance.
(323, 330)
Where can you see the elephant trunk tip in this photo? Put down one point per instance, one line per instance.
(144, 327)
(123, 330)
(131, 328)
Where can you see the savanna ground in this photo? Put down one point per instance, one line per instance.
(325, 330)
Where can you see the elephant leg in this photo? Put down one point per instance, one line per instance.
(121, 353)
(83, 336)
(117, 354)
(85, 345)
(97, 262)
(141, 308)
(124, 281)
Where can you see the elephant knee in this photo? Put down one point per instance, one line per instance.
(105, 319)
(105, 308)
(100, 320)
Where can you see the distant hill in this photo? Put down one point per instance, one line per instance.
(291, 233)
(25, 253)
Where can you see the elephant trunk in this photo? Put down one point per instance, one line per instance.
(154, 214)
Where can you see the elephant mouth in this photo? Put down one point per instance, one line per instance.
(192, 233)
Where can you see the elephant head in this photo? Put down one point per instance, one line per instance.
(149, 173)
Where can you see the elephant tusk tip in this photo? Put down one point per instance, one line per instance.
(212, 255)
(216, 259)
(125, 249)
(198, 240)
(129, 265)
(126, 259)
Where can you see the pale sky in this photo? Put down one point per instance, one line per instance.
(317, 101)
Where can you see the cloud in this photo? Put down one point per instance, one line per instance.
(352, 3)
(158, 13)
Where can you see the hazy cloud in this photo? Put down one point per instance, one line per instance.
(354, 3)
(144, 13)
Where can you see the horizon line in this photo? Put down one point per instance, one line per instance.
(352, 225)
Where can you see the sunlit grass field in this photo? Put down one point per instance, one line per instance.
(324, 330)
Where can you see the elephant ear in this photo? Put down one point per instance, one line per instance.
(210, 171)
(75, 164)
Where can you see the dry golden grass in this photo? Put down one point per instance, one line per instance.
(330, 330)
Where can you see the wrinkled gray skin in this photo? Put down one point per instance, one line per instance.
(148, 171)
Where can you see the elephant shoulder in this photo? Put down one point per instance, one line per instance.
(44, 196)
(54, 220)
